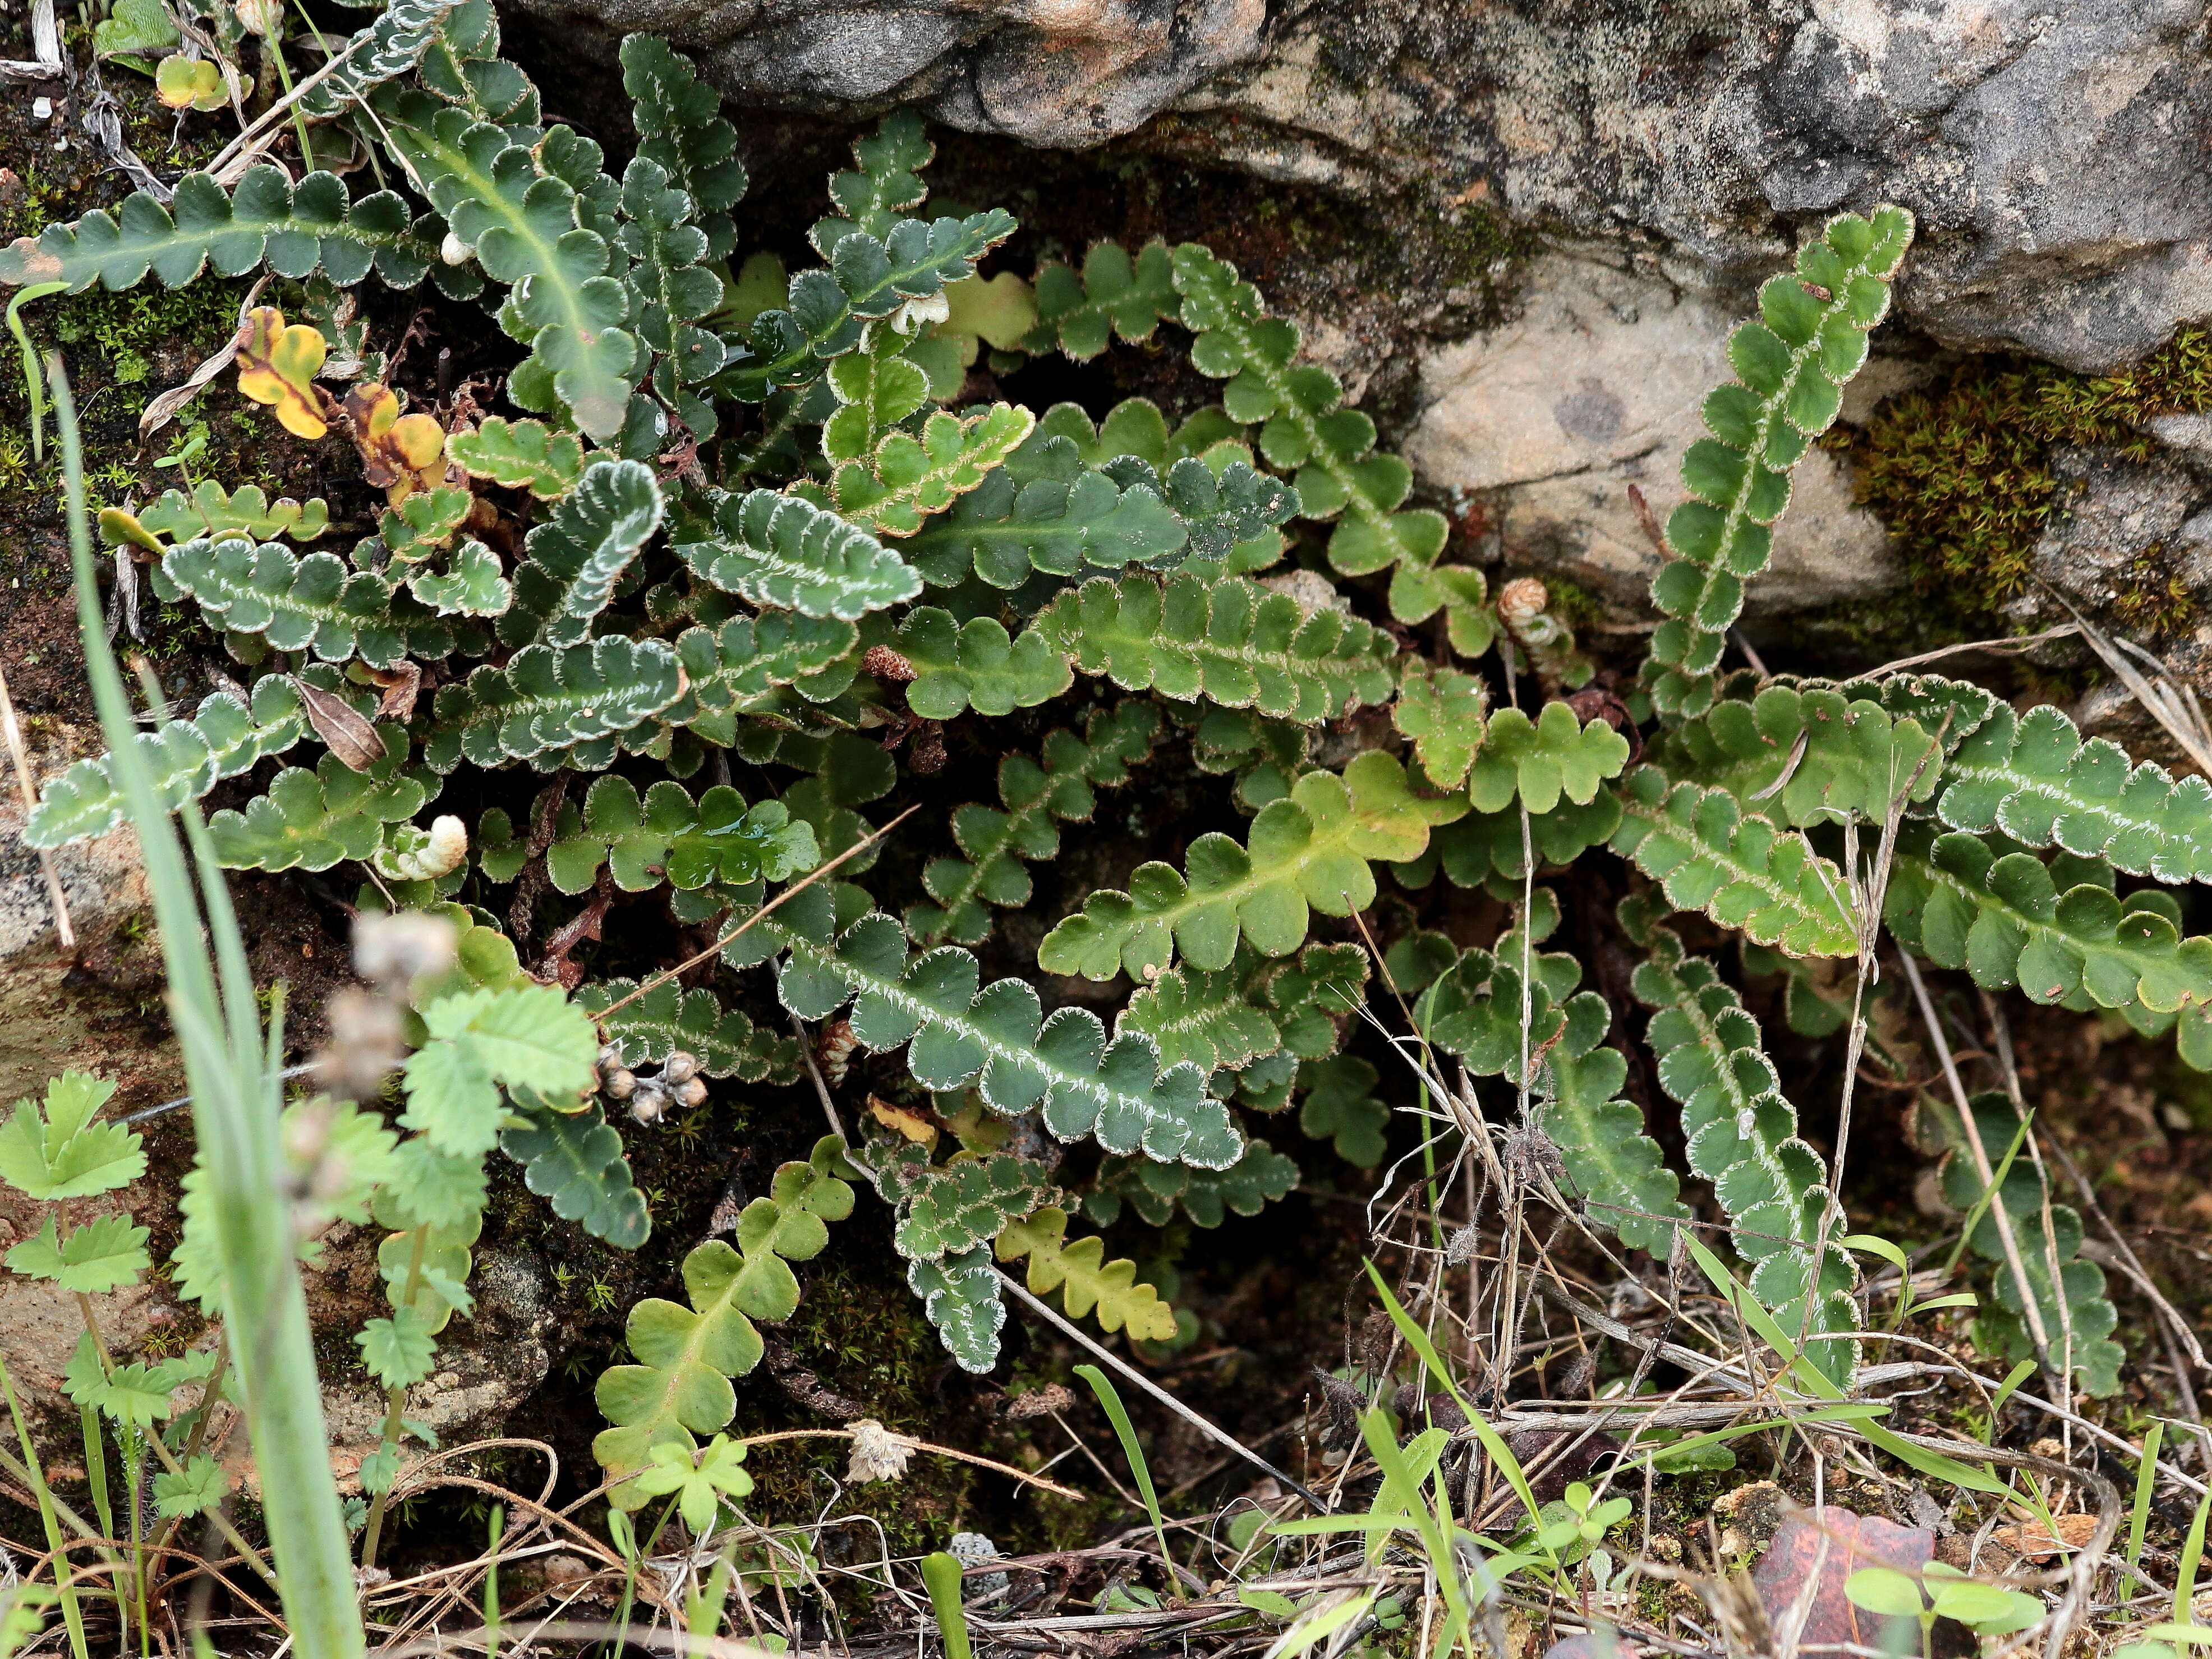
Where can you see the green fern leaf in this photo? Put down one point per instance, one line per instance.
(1251, 1010)
(1340, 1107)
(1035, 797)
(668, 1017)
(877, 387)
(1616, 1169)
(1742, 872)
(960, 1296)
(959, 1033)
(504, 202)
(1310, 851)
(576, 556)
(2075, 1302)
(1442, 711)
(1417, 592)
(420, 525)
(1044, 510)
(2057, 931)
(313, 820)
(1226, 639)
(882, 186)
(211, 512)
(949, 1209)
(1742, 1135)
(545, 700)
(187, 758)
(1808, 756)
(667, 836)
(1485, 848)
(1541, 760)
(747, 657)
(672, 291)
(776, 550)
(520, 454)
(680, 126)
(1113, 295)
(303, 602)
(687, 1354)
(1790, 366)
(912, 475)
(869, 276)
(975, 665)
(1307, 430)
(1156, 1191)
(574, 1160)
(472, 584)
(295, 230)
(2033, 778)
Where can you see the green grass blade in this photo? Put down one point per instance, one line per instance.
(1119, 1416)
(2146, 1482)
(941, 1573)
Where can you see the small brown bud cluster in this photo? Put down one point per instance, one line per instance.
(652, 1097)
(886, 664)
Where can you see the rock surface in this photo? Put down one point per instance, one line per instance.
(1592, 386)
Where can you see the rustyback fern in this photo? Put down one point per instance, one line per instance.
(780, 550)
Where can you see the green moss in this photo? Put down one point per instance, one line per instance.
(1961, 473)
(125, 327)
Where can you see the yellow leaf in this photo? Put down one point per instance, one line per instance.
(277, 365)
(121, 529)
(183, 82)
(1091, 1281)
(400, 454)
(915, 1127)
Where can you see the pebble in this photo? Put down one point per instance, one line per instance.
(42, 109)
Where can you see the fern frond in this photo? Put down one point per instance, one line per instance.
(2031, 777)
(1310, 851)
(868, 277)
(1088, 1283)
(1035, 797)
(912, 475)
(1156, 1191)
(960, 1296)
(1808, 756)
(545, 700)
(1742, 1134)
(519, 455)
(312, 820)
(1792, 367)
(211, 512)
(949, 1209)
(883, 185)
(187, 757)
(1226, 639)
(471, 585)
(681, 127)
(577, 555)
(687, 1354)
(781, 551)
(1441, 710)
(295, 230)
(672, 291)
(1113, 295)
(1253, 1009)
(668, 1017)
(995, 1036)
(1044, 510)
(574, 1161)
(1307, 430)
(1485, 848)
(1742, 872)
(1340, 1107)
(509, 204)
(2057, 930)
(747, 657)
(665, 835)
(975, 665)
(2075, 1301)
(1612, 1164)
(1541, 760)
(304, 602)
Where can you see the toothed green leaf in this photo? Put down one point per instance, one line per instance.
(1112, 294)
(668, 1017)
(309, 602)
(576, 556)
(520, 454)
(210, 511)
(975, 665)
(311, 820)
(1541, 760)
(545, 699)
(574, 1160)
(1311, 851)
(666, 835)
(780, 550)
(60, 1152)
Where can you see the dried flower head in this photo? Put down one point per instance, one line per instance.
(877, 1454)
(396, 950)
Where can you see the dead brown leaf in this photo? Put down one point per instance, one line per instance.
(350, 738)
(2071, 1533)
(1813, 1552)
